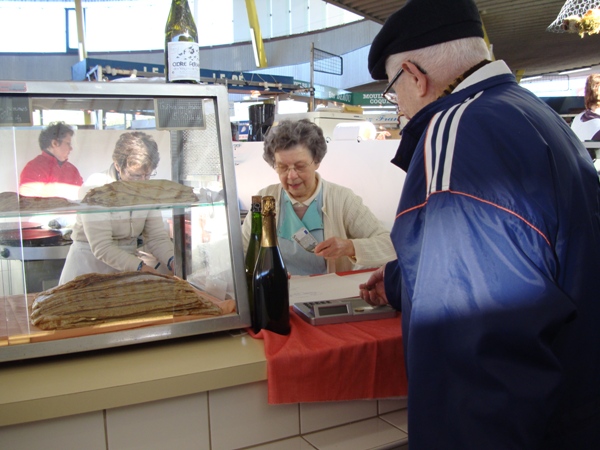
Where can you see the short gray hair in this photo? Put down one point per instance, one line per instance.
(288, 134)
(443, 62)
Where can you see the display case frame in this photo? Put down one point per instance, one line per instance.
(18, 100)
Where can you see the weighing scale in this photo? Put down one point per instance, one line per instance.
(343, 310)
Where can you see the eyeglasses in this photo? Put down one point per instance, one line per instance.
(300, 167)
(392, 97)
(137, 176)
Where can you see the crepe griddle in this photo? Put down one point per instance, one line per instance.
(8, 226)
(32, 235)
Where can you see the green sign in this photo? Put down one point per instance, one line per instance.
(323, 92)
(349, 98)
(369, 99)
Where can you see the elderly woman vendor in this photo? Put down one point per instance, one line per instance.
(108, 242)
(350, 236)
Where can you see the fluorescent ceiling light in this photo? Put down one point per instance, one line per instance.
(254, 47)
(566, 72)
(531, 78)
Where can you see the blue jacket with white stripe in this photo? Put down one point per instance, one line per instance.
(498, 272)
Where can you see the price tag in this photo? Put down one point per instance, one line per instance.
(179, 114)
(15, 111)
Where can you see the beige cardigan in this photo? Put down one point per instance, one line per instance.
(344, 216)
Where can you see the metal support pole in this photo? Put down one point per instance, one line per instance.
(311, 106)
(257, 41)
(80, 31)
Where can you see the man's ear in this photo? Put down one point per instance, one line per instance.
(421, 79)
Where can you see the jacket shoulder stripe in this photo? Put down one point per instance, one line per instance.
(440, 144)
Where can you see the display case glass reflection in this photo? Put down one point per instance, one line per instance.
(157, 187)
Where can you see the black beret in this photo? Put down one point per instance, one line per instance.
(422, 23)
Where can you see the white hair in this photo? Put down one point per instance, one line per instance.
(443, 62)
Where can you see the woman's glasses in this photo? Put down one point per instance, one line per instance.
(300, 167)
(137, 176)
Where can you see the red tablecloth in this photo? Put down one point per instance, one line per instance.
(350, 361)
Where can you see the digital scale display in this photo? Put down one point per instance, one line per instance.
(343, 310)
(328, 310)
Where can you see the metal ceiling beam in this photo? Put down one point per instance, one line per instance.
(258, 46)
(515, 28)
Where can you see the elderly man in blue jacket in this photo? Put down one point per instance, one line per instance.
(498, 243)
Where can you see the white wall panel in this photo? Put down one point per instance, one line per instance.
(241, 29)
(299, 16)
(263, 11)
(83, 431)
(317, 14)
(177, 423)
(280, 19)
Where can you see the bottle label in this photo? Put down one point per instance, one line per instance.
(184, 61)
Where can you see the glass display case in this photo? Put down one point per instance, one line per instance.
(69, 252)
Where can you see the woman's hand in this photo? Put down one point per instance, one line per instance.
(149, 269)
(335, 248)
(373, 291)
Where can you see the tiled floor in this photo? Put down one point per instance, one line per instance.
(387, 432)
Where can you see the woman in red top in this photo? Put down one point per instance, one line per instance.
(50, 174)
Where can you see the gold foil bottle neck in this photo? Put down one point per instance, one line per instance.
(268, 205)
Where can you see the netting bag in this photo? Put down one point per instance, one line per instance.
(578, 16)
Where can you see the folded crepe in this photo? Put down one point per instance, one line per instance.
(142, 192)
(12, 201)
(94, 298)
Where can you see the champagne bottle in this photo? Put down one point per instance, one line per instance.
(270, 283)
(182, 57)
(253, 246)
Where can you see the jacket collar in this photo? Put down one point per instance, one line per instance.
(488, 76)
(51, 156)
